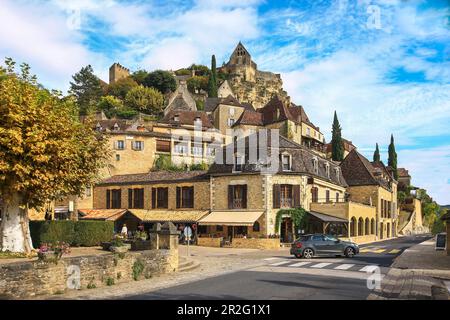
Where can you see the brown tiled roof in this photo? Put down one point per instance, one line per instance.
(275, 111)
(175, 216)
(250, 118)
(187, 118)
(212, 103)
(403, 173)
(359, 171)
(302, 162)
(299, 113)
(155, 177)
(348, 146)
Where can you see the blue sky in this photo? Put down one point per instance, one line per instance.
(383, 65)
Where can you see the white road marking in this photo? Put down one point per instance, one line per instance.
(270, 259)
(299, 264)
(368, 268)
(344, 266)
(280, 263)
(321, 265)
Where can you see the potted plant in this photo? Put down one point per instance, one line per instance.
(140, 235)
(53, 252)
(140, 241)
(118, 245)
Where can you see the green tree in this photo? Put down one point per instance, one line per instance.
(110, 105)
(87, 89)
(336, 141)
(200, 70)
(146, 100)
(197, 83)
(139, 76)
(163, 81)
(46, 153)
(212, 82)
(120, 88)
(392, 160)
(376, 154)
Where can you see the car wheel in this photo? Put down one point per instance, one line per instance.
(349, 252)
(308, 253)
(298, 255)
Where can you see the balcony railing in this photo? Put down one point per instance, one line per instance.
(237, 203)
(329, 200)
(286, 203)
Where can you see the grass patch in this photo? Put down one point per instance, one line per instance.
(15, 255)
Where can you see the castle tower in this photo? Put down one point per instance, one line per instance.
(117, 72)
(241, 63)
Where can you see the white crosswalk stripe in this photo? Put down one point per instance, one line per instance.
(344, 266)
(368, 268)
(270, 259)
(321, 265)
(280, 263)
(299, 264)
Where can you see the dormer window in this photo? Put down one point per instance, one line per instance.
(286, 162)
(231, 112)
(197, 120)
(327, 168)
(116, 127)
(176, 118)
(316, 165)
(338, 176)
(308, 132)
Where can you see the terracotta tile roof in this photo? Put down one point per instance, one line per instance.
(155, 177)
(250, 118)
(212, 103)
(175, 216)
(299, 114)
(403, 173)
(102, 214)
(302, 162)
(187, 118)
(348, 146)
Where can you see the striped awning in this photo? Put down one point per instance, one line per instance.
(231, 218)
(175, 216)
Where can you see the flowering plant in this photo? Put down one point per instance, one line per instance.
(56, 250)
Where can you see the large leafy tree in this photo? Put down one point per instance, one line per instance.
(336, 140)
(87, 89)
(376, 154)
(120, 88)
(392, 160)
(163, 81)
(146, 100)
(139, 76)
(212, 82)
(46, 153)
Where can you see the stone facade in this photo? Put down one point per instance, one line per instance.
(117, 72)
(255, 243)
(23, 280)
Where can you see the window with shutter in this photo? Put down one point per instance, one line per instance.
(178, 197)
(230, 197)
(162, 146)
(296, 196)
(154, 198)
(276, 196)
(108, 199)
(130, 198)
(138, 198)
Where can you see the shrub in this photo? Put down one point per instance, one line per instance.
(75, 233)
(138, 268)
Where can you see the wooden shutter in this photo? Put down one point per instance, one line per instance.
(276, 196)
(178, 197)
(154, 198)
(108, 199)
(296, 195)
(230, 197)
(130, 198)
(244, 197)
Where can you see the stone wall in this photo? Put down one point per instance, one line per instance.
(253, 243)
(23, 280)
(209, 242)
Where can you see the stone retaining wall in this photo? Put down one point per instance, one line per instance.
(31, 278)
(254, 243)
(210, 242)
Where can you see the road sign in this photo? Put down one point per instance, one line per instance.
(441, 241)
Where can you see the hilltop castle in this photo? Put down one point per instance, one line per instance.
(249, 84)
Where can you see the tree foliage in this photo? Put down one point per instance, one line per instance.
(163, 81)
(376, 154)
(336, 141)
(87, 89)
(120, 88)
(197, 83)
(46, 153)
(146, 100)
(139, 76)
(212, 81)
(299, 218)
(392, 160)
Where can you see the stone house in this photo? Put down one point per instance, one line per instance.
(372, 184)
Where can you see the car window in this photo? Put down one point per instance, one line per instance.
(303, 238)
(317, 238)
(330, 238)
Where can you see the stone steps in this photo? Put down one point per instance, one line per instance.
(187, 265)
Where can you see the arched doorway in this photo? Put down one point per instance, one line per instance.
(388, 230)
(360, 227)
(353, 226)
(372, 227)
(287, 230)
(367, 226)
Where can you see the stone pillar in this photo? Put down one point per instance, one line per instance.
(168, 236)
(154, 236)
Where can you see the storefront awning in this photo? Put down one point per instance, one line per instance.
(175, 216)
(102, 214)
(326, 218)
(231, 218)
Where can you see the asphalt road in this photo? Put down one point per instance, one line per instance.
(284, 277)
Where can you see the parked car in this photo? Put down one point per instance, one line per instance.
(308, 246)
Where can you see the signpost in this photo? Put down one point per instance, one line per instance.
(187, 234)
(441, 241)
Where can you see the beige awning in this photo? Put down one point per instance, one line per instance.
(231, 218)
(175, 216)
(102, 214)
